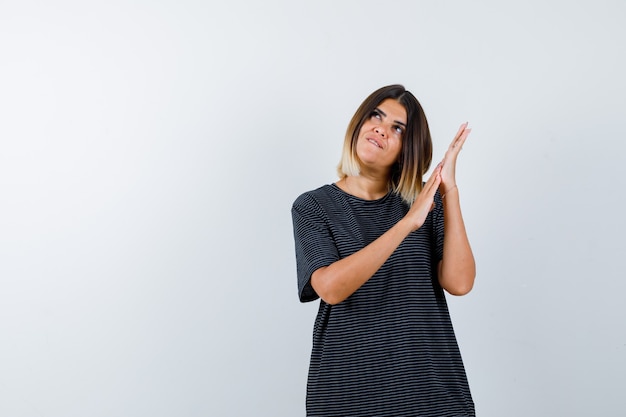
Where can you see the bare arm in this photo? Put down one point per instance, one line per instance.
(457, 268)
(342, 278)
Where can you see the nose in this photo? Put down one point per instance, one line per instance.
(380, 130)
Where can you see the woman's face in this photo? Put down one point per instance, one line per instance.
(380, 140)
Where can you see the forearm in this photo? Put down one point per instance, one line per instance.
(457, 269)
(341, 279)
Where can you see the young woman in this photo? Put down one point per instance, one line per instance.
(379, 247)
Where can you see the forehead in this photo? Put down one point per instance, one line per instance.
(393, 109)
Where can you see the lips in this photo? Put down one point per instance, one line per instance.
(374, 142)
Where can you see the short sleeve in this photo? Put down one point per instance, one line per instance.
(315, 247)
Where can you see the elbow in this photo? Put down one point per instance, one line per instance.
(459, 290)
(325, 289)
(462, 284)
(329, 295)
(331, 299)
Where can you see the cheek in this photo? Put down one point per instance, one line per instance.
(365, 127)
(398, 149)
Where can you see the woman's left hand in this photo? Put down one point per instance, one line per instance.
(448, 164)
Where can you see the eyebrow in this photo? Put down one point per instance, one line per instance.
(385, 115)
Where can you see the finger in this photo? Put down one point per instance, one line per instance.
(461, 134)
(461, 129)
(434, 184)
(461, 140)
(456, 147)
(433, 177)
(431, 185)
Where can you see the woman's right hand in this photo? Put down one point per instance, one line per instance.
(425, 200)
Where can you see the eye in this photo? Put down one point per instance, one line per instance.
(399, 130)
(376, 115)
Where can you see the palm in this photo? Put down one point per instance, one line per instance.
(448, 164)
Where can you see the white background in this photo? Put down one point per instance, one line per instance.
(150, 152)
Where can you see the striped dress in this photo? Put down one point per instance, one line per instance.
(389, 349)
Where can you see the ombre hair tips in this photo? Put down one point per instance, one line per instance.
(416, 155)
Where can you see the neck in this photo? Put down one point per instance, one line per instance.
(367, 188)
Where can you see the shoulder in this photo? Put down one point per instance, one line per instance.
(311, 209)
(315, 197)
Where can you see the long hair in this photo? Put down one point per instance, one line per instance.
(417, 148)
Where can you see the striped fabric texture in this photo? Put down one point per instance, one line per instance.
(389, 349)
